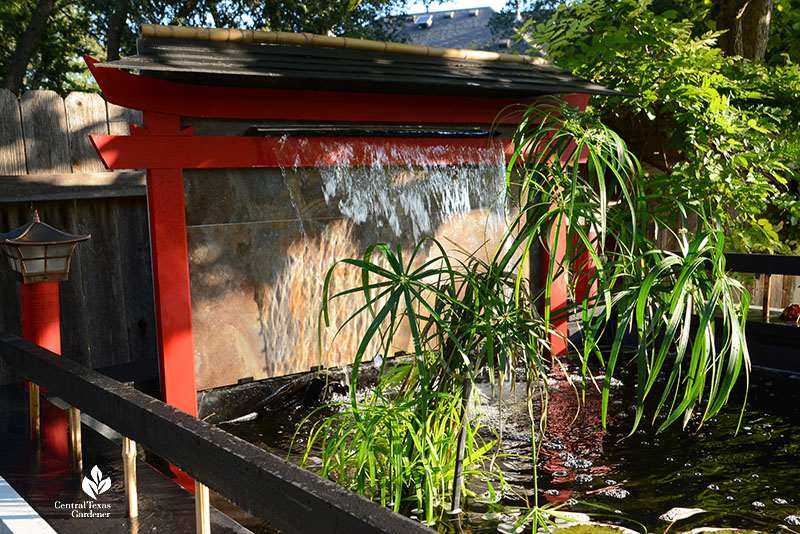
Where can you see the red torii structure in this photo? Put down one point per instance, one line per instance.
(165, 150)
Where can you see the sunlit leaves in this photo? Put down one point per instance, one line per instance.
(667, 301)
(722, 131)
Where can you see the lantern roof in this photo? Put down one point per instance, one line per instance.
(39, 233)
(282, 60)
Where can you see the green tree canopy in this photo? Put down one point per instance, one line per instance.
(716, 131)
(55, 63)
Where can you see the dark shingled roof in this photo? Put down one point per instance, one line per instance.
(462, 30)
(205, 62)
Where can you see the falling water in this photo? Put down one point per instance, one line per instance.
(421, 194)
(262, 240)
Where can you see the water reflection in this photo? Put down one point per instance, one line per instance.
(749, 480)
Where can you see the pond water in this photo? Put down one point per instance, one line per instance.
(750, 480)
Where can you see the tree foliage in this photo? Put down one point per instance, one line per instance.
(506, 21)
(783, 41)
(718, 132)
(55, 63)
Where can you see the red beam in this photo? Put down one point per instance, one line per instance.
(208, 152)
(188, 100)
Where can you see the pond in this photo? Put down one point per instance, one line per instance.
(749, 480)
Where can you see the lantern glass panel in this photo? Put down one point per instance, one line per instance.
(56, 265)
(34, 266)
(33, 251)
(59, 251)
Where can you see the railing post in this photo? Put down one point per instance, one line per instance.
(33, 411)
(76, 447)
(129, 468)
(202, 508)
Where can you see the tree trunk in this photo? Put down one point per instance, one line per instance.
(747, 24)
(115, 29)
(27, 45)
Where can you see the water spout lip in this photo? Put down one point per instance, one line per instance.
(367, 131)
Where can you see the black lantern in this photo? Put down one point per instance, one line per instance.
(37, 252)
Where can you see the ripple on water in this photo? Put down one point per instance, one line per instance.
(577, 463)
(617, 493)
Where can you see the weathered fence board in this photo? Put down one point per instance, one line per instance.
(135, 267)
(784, 286)
(12, 147)
(86, 115)
(35, 187)
(120, 119)
(107, 312)
(44, 125)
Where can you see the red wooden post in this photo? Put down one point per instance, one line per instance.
(41, 324)
(41, 319)
(558, 247)
(167, 215)
(558, 290)
(584, 268)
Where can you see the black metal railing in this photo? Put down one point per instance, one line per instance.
(276, 491)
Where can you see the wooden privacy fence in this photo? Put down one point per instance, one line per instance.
(47, 162)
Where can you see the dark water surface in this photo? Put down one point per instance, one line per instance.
(750, 480)
(745, 480)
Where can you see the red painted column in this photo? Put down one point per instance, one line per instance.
(41, 324)
(166, 210)
(584, 268)
(41, 319)
(558, 290)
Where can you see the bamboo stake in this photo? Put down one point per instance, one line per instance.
(765, 300)
(202, 509)
(76, 446)
(33, 404)
(129, 465)
(458, 476)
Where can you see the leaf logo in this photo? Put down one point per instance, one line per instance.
(96, 485)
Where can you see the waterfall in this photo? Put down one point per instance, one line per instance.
(261, 242)
(421, 194)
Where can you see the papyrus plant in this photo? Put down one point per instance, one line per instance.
(677, 310)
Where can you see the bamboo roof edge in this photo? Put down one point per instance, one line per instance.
(310, 39)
